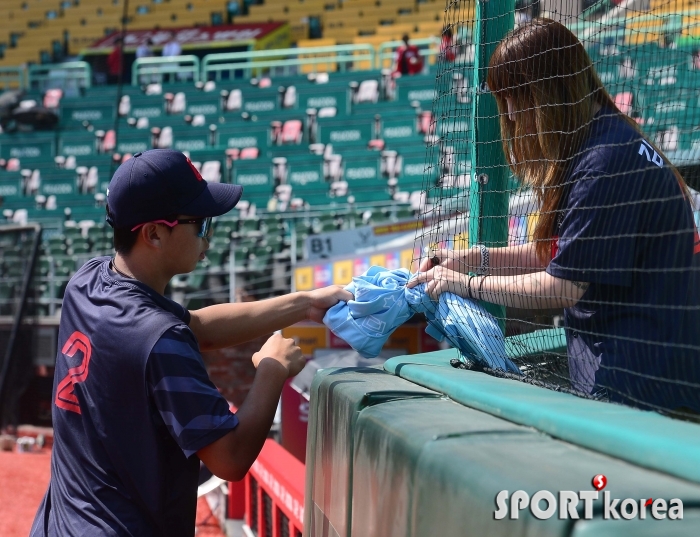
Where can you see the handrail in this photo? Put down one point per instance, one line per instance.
(276, 479)
(618, 24)
(65, 75)
(249, 61)
(429, 46)
(13, 78)
(172, 67)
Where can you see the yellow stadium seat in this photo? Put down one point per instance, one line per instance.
(639, 38)
(431, 28)
(307, 43)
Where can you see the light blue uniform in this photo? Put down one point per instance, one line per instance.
(383, 303)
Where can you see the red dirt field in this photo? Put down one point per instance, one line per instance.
(23, 481)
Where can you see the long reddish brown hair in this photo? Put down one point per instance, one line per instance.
(554, 88)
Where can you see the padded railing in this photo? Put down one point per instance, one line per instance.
(249, 62)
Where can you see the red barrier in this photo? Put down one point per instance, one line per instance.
(274, 493)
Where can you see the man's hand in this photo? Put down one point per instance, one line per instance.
(284, 352)
(441, 280)
(324, 298)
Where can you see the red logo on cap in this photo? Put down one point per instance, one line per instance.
(194, 170)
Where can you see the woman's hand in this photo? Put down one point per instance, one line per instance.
(459, 260)
(441, 279)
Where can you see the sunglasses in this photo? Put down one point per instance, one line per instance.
(203, 223)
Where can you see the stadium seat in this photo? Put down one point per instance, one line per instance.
(291, 132)
(211, 171)
(249, 153)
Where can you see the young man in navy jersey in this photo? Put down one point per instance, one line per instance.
(134, 409)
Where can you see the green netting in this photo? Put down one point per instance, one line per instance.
(541, 208)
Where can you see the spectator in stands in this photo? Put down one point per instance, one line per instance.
(668, 40)
(172, 47)
(408, 59)
(522, 12)
(144, 50)
(134, 409)
(447, 46)
(615, 243)
(115, 62)
(696, 59)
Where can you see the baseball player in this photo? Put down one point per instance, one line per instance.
(134, 410)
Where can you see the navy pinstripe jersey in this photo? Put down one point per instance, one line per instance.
(132, 405)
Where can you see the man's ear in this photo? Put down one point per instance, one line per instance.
(151, 235)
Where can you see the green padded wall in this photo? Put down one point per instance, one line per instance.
(387, 457)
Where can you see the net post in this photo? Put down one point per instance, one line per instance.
(488, 194)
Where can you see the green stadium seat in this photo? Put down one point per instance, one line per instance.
(259, 258)
(133, 141)
(336, 96)
(75, 111)
(242, 134)
(346, 132)
(248, 225)
(275, 242)
(7, 290)
(79, 247)
(28, 147)
(241, 254)
(195, 279)
(187, 138)
(78, 144)
(416, 88)
(216, 257)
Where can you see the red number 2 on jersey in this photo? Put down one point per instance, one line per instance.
(65, 394)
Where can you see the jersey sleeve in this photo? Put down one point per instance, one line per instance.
(193, 410)
(599, 230)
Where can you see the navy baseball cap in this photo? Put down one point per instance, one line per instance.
(163, 182)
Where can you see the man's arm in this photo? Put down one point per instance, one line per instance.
(224, 325)
(231, 456)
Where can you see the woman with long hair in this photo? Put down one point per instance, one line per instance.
(615, 242)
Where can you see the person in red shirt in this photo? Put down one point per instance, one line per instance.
(114, 63)
(447, 48)
(408, 59)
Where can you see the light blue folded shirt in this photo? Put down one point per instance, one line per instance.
(382, 303)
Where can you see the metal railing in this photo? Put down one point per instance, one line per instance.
(76, 75)
(169, 69)
(66, 76)
(287, 61)
(274, 494)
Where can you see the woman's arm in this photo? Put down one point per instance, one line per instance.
(504, 261)
(538, 290)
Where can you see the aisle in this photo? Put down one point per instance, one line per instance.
(23, 481)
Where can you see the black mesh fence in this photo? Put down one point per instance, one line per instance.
(18, 251)
(560, 174)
